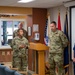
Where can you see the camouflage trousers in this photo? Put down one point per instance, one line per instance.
(20, 63)
(56, 64)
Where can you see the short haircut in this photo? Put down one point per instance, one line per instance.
(21, 29)
(20, 23)
(53, 23)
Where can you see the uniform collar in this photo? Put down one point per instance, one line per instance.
(55, 32)
(20, 38)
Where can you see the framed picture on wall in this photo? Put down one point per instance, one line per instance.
(37, 36)
(35, 28)
(29, 31)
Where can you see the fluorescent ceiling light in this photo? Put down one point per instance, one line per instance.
(25, 1)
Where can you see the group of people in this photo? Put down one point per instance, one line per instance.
(58, 41)
(20, 46)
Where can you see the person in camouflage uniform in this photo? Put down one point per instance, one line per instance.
(20, 26)
(58, 41)
(20, 47)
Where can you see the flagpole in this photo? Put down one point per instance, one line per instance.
(59, 22)
(49, 27)
(66, 51)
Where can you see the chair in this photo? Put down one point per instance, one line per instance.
(2, 71)
(8, 71)
(17, 73)
(23, 72)
(16, 69)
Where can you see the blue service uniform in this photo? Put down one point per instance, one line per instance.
(74, 57)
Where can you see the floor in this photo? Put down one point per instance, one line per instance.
(71, 68)
(9, 64)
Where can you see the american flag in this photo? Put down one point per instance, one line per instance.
(46, 39)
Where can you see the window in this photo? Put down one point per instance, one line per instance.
(7, 27)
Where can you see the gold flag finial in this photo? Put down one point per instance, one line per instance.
(59, 10)
(48, 14)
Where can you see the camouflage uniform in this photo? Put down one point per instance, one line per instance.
(58, 41)
(20, 57)
(15, 33)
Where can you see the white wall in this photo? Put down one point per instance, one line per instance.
(54, 14)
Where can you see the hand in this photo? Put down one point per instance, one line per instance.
(47, 65)
(22, 46)
(73, 59)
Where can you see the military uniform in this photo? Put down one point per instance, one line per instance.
(15, 33)
(58, 41)
(20, 57)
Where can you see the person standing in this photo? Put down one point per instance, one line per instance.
(20, 26)
(73, 56)
(58, 41)
(20, 47)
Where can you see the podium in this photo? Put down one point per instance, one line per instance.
(40, 60)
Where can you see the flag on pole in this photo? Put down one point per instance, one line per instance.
(46, 36)
(59, 22)
(66, 51)
(47, 31)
